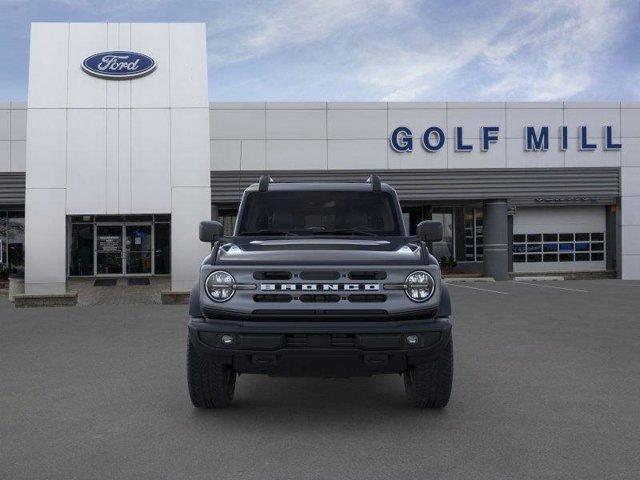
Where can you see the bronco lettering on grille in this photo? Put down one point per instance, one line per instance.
(322, 287)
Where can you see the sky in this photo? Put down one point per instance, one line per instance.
(377, 50)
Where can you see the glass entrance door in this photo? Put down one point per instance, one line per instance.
(139, 250)
(109, 250)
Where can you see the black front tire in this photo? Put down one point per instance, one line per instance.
(428, 385)
(211, 384)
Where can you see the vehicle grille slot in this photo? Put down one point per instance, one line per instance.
(319, 275)
(296, 340)
(266, 298)
(302, 340)
(272, 275)
(368, 275)
(343, 340)
(364, 298)
(319, 298)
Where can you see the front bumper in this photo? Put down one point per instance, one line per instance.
(318, 348)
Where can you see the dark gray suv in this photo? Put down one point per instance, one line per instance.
(320, 279)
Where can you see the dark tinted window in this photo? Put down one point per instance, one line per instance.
(318, 213)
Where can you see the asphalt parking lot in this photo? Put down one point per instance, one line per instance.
(547, 386)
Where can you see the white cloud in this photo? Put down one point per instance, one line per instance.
(546, 51)
(260, 29)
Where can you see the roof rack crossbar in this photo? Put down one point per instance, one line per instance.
(263, 183)
(374, 180)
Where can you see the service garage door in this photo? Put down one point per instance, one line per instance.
(559, 239)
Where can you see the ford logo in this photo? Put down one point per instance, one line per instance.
(118, 65)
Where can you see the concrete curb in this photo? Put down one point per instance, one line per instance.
(469, 279)
(538, 278)
(23, 300)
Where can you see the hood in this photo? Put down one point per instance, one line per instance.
(320, 251)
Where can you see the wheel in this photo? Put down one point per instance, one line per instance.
(211, 384)
(428, 385)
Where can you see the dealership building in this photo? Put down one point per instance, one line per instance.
(117, 155)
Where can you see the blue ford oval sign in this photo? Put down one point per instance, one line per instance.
(118, 65)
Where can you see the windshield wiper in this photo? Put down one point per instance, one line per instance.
(271, 232)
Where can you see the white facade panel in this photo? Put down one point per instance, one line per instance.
(48, 65)
(190, 146)
(494, 157)
(150, 160)
(598, 158)
(5, 124)
(86, 161)
(124, 86)
(152, 91)
(296, 154)
(45, 241)
(630, 154)
(47, 148)
(85, 91)
(471, 119)
(296, 124)
(357, 154)
(18, 124)
(418, 158)
(124, 161)
(18, 156)
(5, 156)
(190, 205)
(225, 154)
(519, 118)
(253, 155)
(237, 124)
(517, 157)
(112, 161)
(630, 122)
(592, 118)
(188, 53)
(631, 239)
(356, 124)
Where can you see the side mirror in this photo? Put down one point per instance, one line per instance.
(430, 231)
(211, 231)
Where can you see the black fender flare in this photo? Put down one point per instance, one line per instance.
(194, 302)
(444, 309)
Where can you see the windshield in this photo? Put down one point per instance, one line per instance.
(319, 213)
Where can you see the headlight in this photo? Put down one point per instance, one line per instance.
(220, 286)
(419, 286)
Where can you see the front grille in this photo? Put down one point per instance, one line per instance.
(268, 298)
(272, 275)
(319, 298)
(319, 275)
(320, 341)
(363, 298)
(367, 275)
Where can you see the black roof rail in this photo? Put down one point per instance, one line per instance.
(374, 180)
(263, 183)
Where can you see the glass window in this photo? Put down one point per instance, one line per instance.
(319, 213)
(473, 227)
(445, 247)
(15, 242)
(163, 248)
(567, 250)
(519, 258)
(81, 251)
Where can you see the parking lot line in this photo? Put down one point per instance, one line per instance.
(476, 288)
(552, 286)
